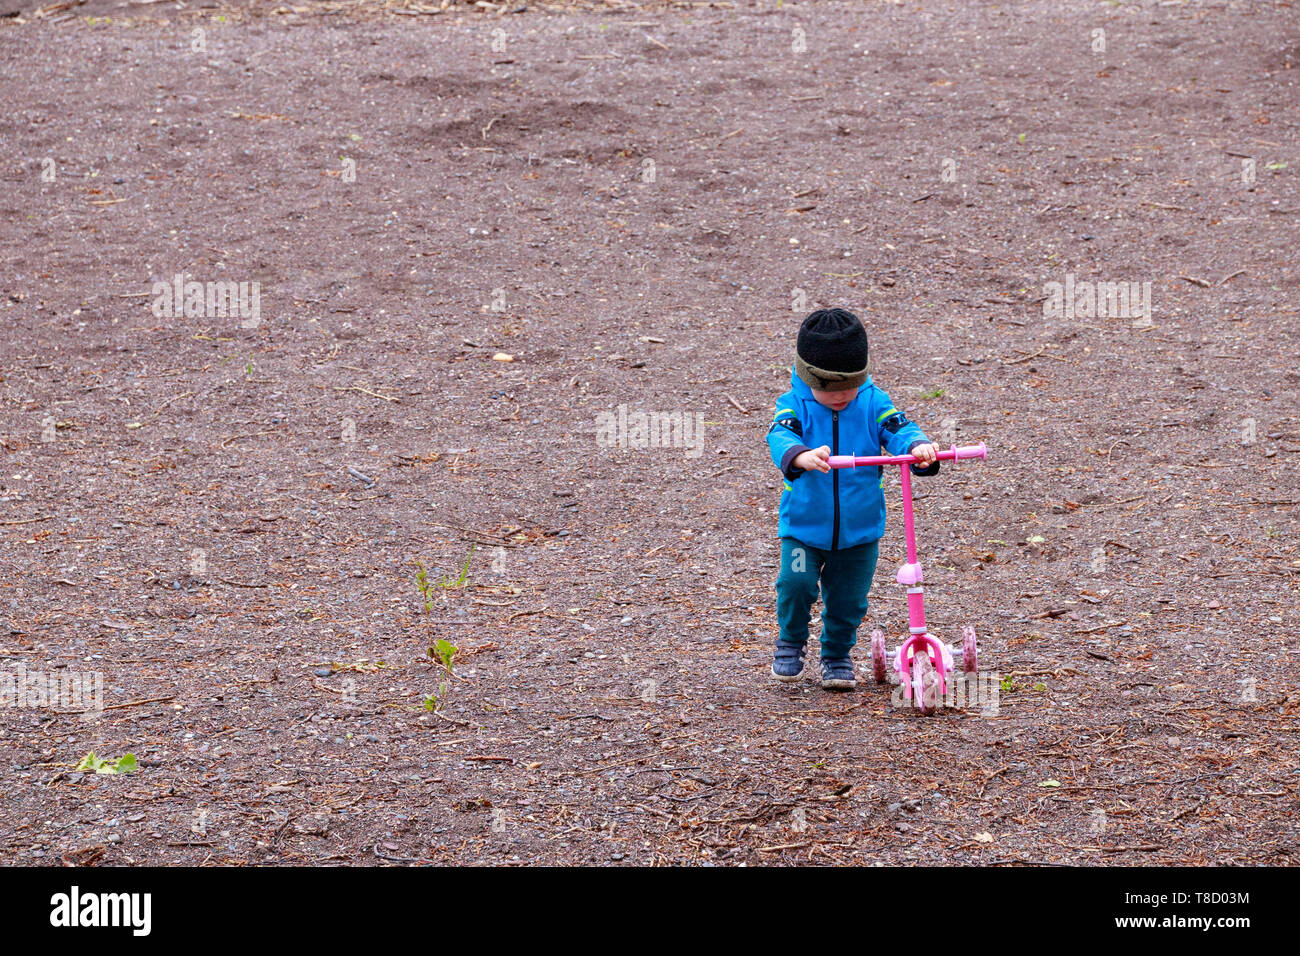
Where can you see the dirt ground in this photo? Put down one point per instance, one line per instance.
(636, 204)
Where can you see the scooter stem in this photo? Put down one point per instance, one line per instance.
(909, 526)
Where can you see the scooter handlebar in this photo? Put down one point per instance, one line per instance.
(951, 454)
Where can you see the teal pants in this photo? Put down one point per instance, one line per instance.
(843, 577)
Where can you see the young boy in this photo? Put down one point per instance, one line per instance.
(831, 521)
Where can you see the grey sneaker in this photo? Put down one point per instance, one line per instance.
(787, 661)
(837, 673)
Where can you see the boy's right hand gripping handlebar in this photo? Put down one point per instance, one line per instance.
(952, 454)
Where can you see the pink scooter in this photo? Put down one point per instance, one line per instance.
(923, 663)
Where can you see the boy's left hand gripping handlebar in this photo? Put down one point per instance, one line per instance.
(952, 454)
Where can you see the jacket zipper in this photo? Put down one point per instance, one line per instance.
(835, 478)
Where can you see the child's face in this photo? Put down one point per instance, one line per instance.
(836, 401)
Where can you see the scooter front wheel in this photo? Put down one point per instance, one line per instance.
(925, 682)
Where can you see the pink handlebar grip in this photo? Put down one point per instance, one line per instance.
(952, 454)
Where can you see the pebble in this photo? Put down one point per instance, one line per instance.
(323, 672)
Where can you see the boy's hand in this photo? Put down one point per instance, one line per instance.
(814, 460)
(925, 454)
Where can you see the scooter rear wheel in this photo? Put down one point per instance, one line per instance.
(969, 655)
(878, 656)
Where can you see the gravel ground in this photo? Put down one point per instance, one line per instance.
(473, 234)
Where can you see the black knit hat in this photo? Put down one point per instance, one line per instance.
(831, 351)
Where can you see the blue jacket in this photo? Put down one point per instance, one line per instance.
(846, 507)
